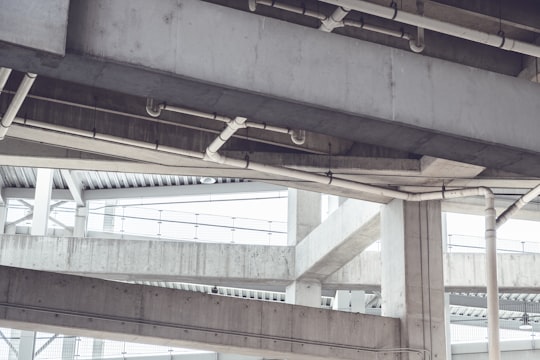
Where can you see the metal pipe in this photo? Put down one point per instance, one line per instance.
(298, 137)
(221, 139)
(492, 291)
(16, 103)
(378, 29)
(4, 75)
(392, 13)
(515, 207)
(295, 9)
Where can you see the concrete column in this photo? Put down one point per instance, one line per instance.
(81, 219)
(304, 215)
(3, 217)
(69, 345)
(352, 301)
(304, 292)
(109, 215)
(412, 274)
(304, 209)
(26, 345)
(358, 301)
(42, 201)
(98, 346)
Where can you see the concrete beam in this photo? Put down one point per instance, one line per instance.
(151, 260)
(249, 266)
(109, 50)
(104, 309)
(20, 24)
(342, 236)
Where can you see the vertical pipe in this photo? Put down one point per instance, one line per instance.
(491, 281)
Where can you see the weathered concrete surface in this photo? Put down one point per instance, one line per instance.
(413, 103)
(342, 236)
(36, 24)
(412, 285)
(150, 260)
(237, 265)
(55, 302)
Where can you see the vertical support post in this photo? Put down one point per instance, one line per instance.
(3, 216)
(444, 232)
(412, 274)
(81, 220)
(69, 344)
(109, 216)
(26, 345)
(304, 215)
(42, 201)
(358, 301)
(98, 346)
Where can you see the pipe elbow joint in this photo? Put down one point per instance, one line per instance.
(417, 48)
(153, 109)
(298, 136)
(252, 5)
(212, 156)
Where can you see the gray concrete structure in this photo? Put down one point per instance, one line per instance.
(346, 112)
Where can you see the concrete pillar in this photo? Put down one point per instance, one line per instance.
(98, 346)
(26, 345)
(304, 215)
(304, 209)
(412, 274)
(358, 301)
(81, 219)
(352, 301)
(69, 345)
(3, 217)
(109, 215)
(304, 292)
(42, 201)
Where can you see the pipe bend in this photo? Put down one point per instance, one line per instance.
(298, 136)
(415, 47)
(152, 109)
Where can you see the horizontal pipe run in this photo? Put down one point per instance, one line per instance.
(290, 8)
(393, 13)
(4, 76)
(378, 29)
(110, 138)
(16, 103)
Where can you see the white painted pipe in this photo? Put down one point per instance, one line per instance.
(4, 75)
(515, 207)
(297, 136)
(16, 103)
(334, 20)
(298, 10)
(221, 139)
(393, 13)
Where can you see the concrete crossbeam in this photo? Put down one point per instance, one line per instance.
(342, 236)
(150, 260)
(57, 303)
(231, 67)
(265, 267)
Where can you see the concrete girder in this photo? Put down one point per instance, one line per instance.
(341, 237)
(113, 310)
(250, 266)
(409, 105)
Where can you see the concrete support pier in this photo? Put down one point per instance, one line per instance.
(412, 274)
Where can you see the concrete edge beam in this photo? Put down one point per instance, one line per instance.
(114, 310)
